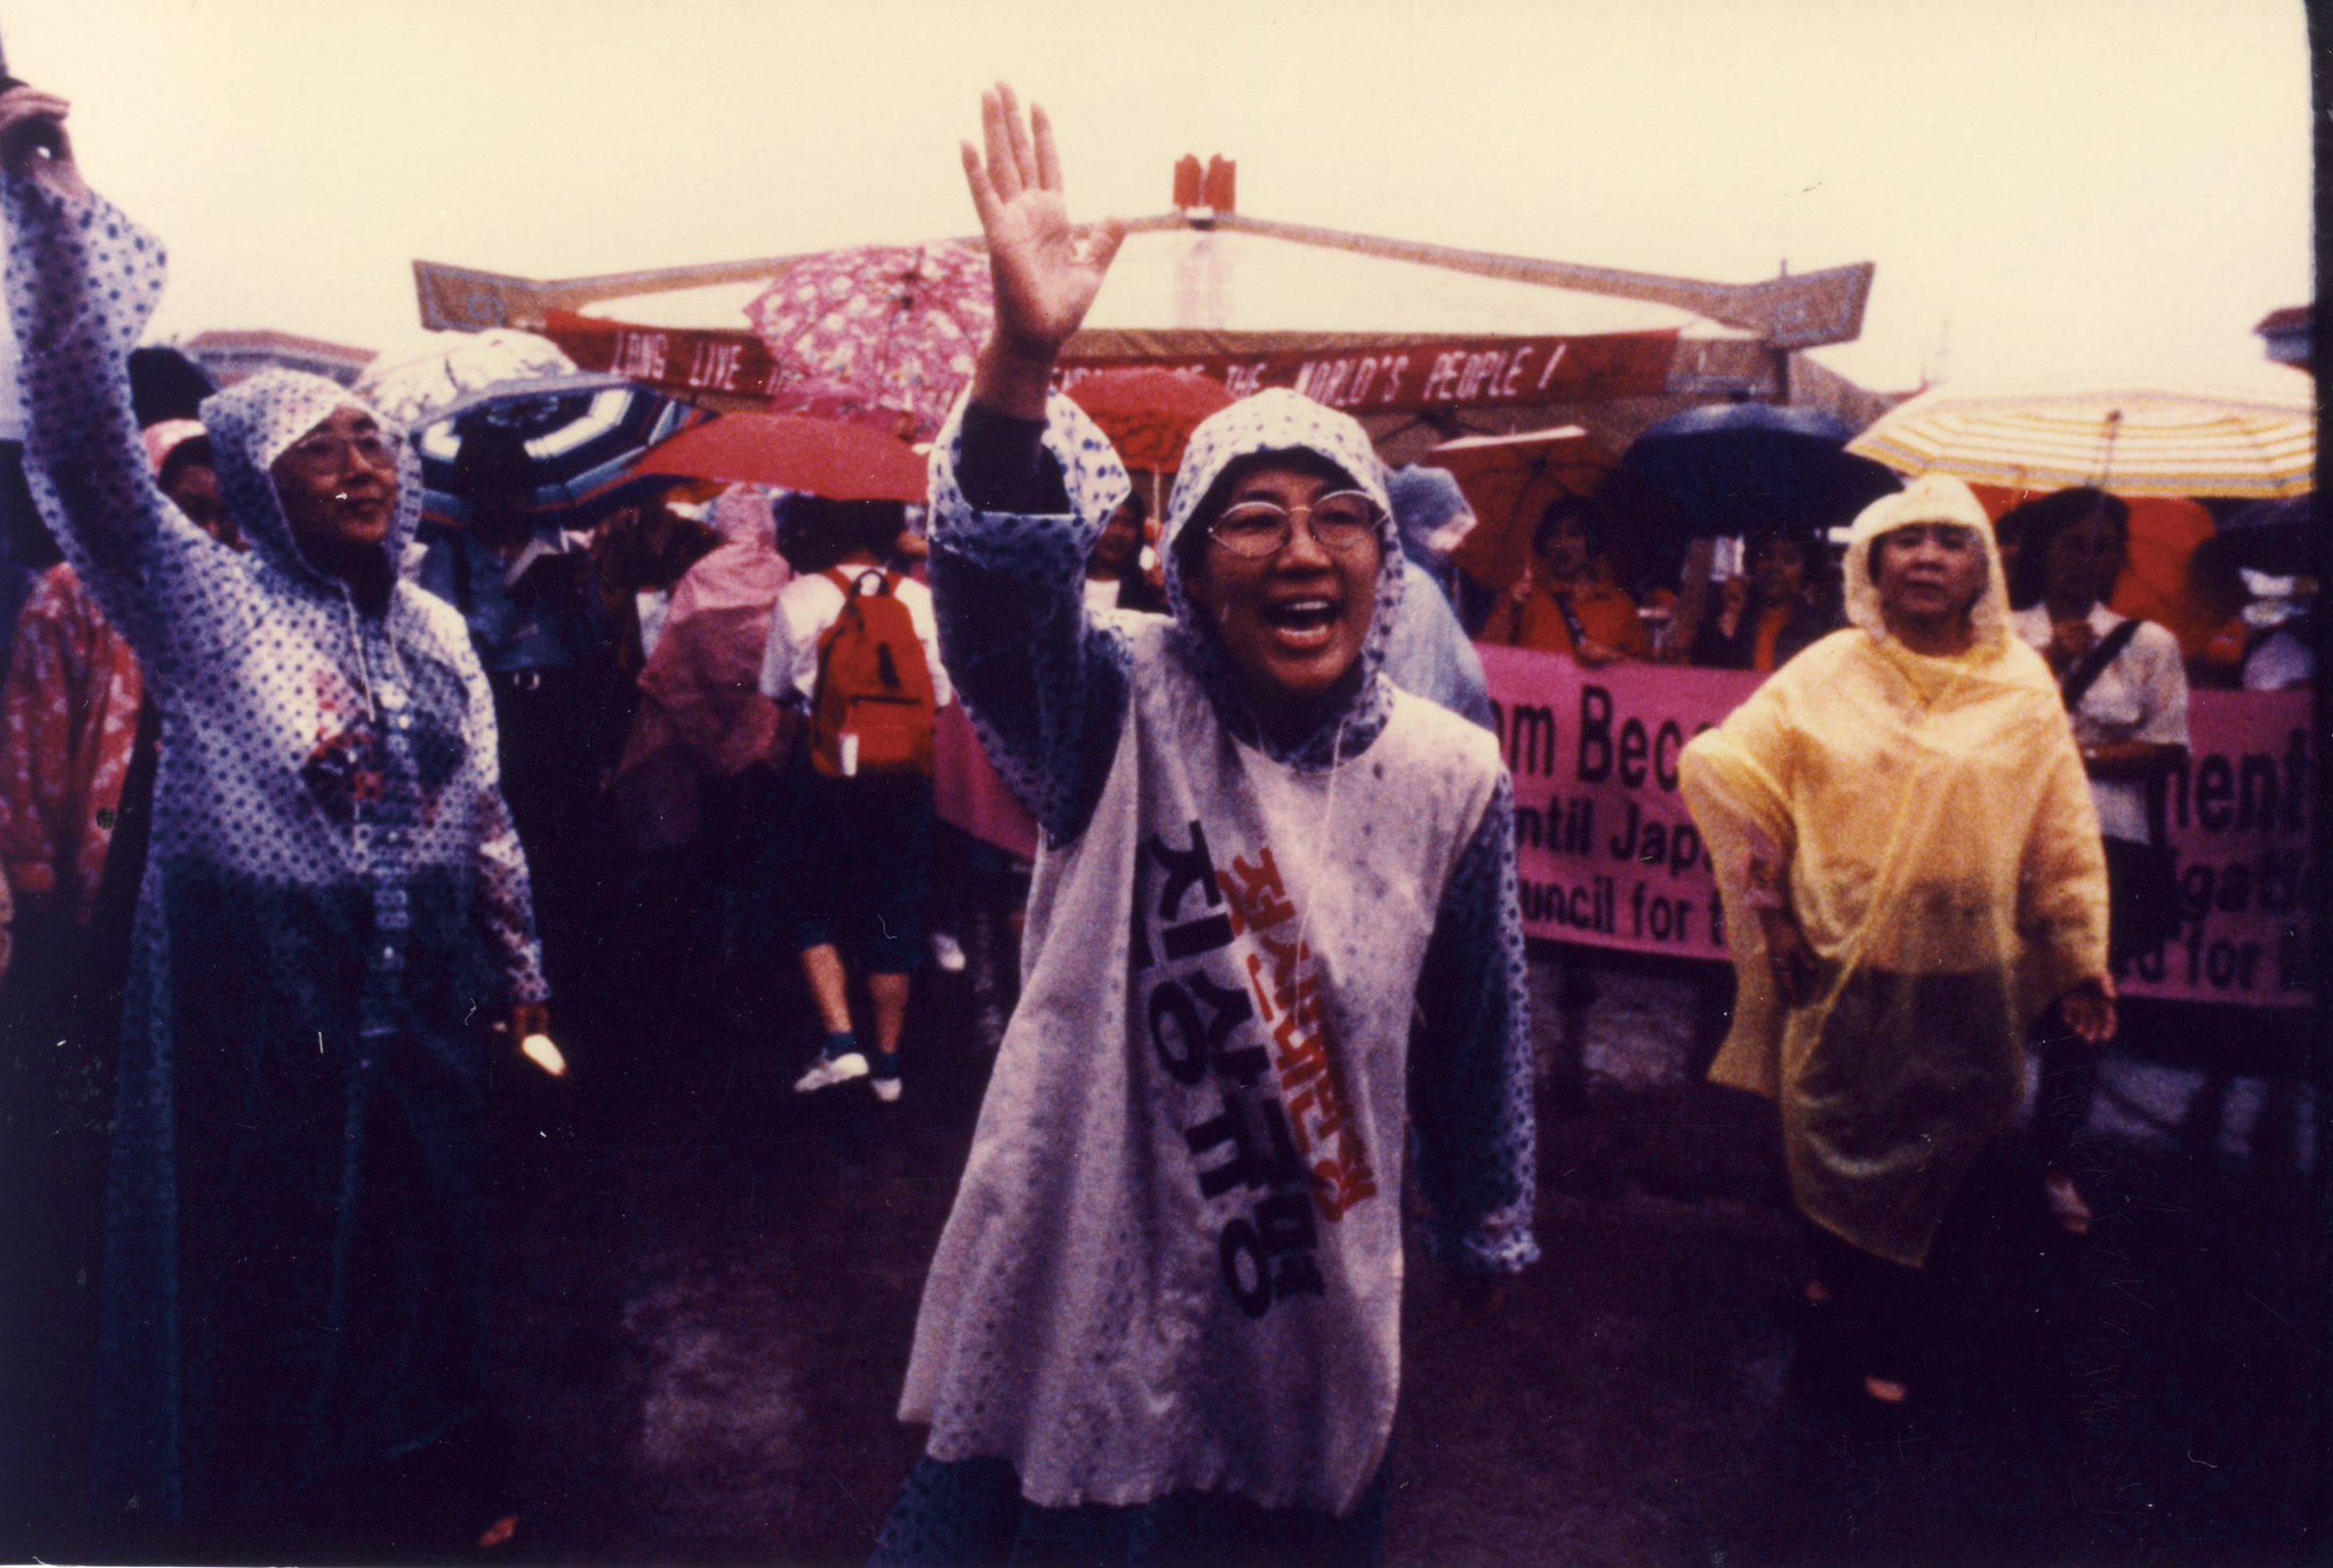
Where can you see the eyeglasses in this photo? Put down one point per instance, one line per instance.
(1343, 523)
(322, 448)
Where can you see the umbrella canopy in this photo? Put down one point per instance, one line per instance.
(1751, 468)
(1508, 480)
(792, 452)
(877, 330)
(583, 434)
(1149, 413)
(2253, 437)
(415, 381)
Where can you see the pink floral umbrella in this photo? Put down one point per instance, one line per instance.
(878, 333)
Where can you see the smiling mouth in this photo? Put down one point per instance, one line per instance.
(1302, 623)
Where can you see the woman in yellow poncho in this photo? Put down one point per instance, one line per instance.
(1911, 872)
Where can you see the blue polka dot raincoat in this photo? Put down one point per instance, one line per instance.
(334, 908)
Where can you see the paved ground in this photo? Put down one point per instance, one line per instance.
(711, 1284)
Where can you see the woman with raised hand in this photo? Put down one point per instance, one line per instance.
(1911, 873)
(295, 1273)
(1162, 1323)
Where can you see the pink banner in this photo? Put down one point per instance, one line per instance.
(1609, 857)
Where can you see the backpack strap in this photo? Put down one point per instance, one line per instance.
(853, 583)
(2085, 671)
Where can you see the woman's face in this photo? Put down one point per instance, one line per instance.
(2083, 561)
(1928, 571)
(338, 485)
(1777, 570)
(1121, 537)
(1293, 621)
(1567, 547)
(194, 488)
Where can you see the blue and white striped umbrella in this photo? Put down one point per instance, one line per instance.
(584, 434)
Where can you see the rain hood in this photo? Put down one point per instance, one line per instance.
(254, 423)
(1284, 421)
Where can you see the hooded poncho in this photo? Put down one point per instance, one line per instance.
(295, 1270)
(1174, 1263)
(1944, 863)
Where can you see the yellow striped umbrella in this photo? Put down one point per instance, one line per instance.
(2254, 437)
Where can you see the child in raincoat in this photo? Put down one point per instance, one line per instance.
(1162, 1322)
(1911, 873)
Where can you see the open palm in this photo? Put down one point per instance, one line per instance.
(1046, 274)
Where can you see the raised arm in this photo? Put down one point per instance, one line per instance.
(1021, 482)
(82, 279)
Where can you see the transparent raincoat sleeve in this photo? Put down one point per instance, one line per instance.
(1044, 683)
(1471, 1062)
(82, 280)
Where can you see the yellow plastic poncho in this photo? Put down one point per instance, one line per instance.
(1943, 860)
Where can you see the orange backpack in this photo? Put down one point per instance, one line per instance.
(872, 709)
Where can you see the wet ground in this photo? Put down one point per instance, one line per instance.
(709, 1287)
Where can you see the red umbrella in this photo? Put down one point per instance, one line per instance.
(1508, 480)
(877, 329)
(1149, 413)
(817, 457)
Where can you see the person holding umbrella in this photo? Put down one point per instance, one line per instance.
(1910, 870)
(2125, 690)
(1162, 1322)
(296, 1258)
(1785, 604)
(1570, 601)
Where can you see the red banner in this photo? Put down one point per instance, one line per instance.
(1428, 374)
(1404, 378)
(1607, 856)
(673, 359)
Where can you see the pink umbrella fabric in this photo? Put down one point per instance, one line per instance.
(877, 333)
(702, 715)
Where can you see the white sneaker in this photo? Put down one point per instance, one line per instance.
(946, 952)
(886, 1090)
(828, 1071)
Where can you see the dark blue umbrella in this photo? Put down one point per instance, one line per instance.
(583, 436)
(1751, 469)
(2280, 538)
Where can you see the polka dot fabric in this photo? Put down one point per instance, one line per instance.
(1281, 420)
(335, 903)
(1075, 1322)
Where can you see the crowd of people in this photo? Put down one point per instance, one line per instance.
(308, 812)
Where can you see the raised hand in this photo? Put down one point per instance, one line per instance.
(1046, 274)
(33, 143)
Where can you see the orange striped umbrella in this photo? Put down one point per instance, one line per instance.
(2252, 436)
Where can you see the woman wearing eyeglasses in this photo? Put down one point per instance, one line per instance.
(1162, 1322)
(334, 906)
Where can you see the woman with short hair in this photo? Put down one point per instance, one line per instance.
(1571, 600)
(2124, 686)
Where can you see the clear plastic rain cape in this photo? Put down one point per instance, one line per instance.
(1943, 860)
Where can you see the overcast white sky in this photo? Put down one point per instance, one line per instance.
(2074, 185)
